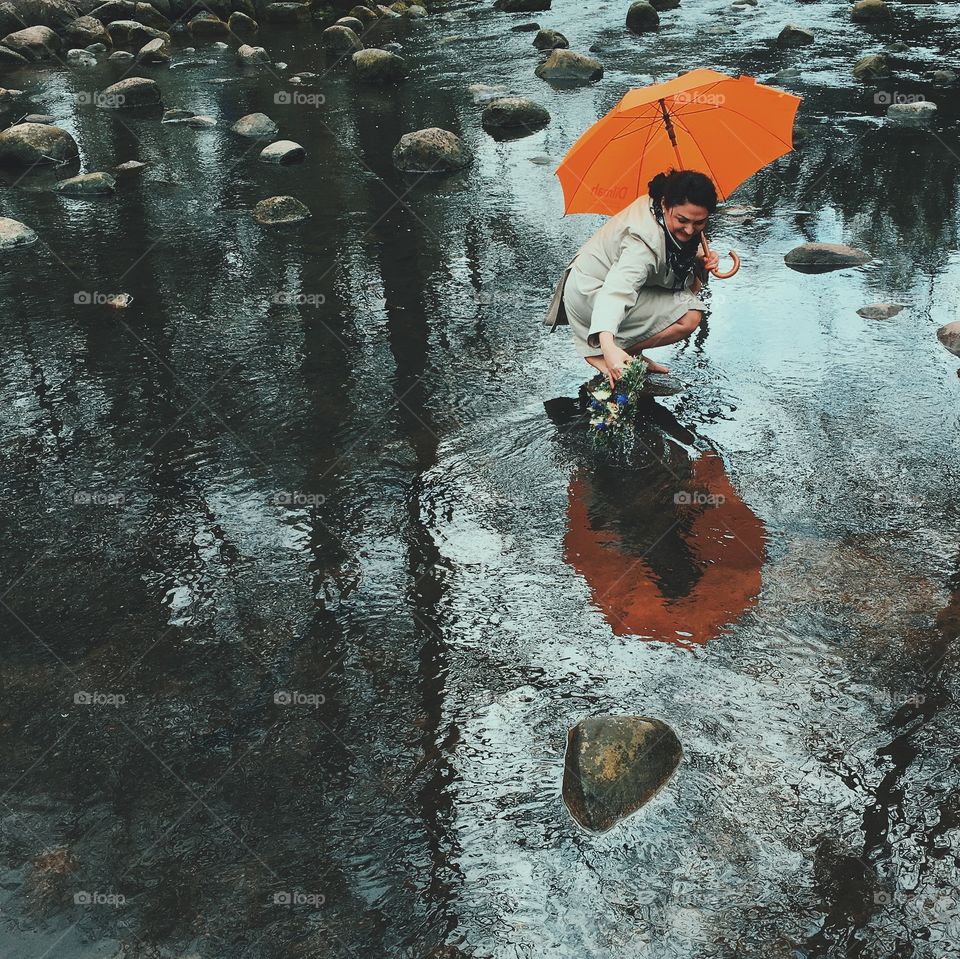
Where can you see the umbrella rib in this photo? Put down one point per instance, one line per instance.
(640, 162)
(701, 93)
(757, 122)
(713, 175)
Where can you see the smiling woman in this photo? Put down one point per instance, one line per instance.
(634, 284)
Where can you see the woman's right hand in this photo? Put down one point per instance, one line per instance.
(617, 360)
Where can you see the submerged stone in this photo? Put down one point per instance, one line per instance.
(615, 765)
(823, 257)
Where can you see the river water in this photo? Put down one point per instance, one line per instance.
(308, 565)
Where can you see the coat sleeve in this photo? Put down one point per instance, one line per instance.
(621, 287)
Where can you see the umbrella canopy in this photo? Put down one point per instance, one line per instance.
(726, 127)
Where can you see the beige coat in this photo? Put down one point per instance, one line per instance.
(627, 253)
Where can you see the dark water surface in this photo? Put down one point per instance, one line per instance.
(307, 569)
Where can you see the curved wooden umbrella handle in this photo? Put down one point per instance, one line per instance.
(717, 273)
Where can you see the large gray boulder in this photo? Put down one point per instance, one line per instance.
(144, 13)
(614, 765)
(949, 336)
(154, 51)
(130, 93)
(13, 233)
(11, 60)
(256, 126)
(250, 56)
(87, 184)
(432, 150)
(642, 17)
(34, 43)
(569, 65)
(794, 36)
(207, 26)
(132, 33)
(378, 66)
(15, 14)
(27, 144)
(824, 257)
(917, 112)
(870, 11)
(240, 25)
(340, 40)
(280, 209)
(514, 113)
(283, 152)
(83, 31)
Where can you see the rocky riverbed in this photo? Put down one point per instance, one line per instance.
(308, 563)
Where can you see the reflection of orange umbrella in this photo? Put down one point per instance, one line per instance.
(723, 126)
(725, 542)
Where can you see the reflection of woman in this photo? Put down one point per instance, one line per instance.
(633, 285)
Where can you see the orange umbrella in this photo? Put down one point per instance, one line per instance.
(726, 127)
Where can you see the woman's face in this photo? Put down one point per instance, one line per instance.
(685, 220)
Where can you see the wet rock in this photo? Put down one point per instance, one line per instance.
(949, 336)
(130, 33)
(121, 56)
(13, 233)
(129, 167)
(870, 11)
(386, 13)
(7, 95)
(34, 43)
(287, 12)
(879, 311)
(793, 36)
(568, 65)
(363, 14)
(176, 115)
(240, 25)
(483, 92)
(661, 5)
(144, 13)
(255, 126)
(351, 23)
(201, 122)
(284, 152)
(943, 78)
(38, 118)
(10, 59)
(280, 209)
(392, 47)
(432, 150)
(219, 45)
(340, 40)
(55, 14)
(80, 58)
(615, 765)
(250, 56)
(875, 66)
(514, 112)
(416, 12)
(525, 28)
(130, 93)
(642, 17)
(156, 51)
(521, 6)
(206, 26)
(27, 144)
(551, 40)
(823, 257)
(87, 184)
(379, 66)
(85, 31)
(916, 113)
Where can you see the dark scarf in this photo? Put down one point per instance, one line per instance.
(681, 257)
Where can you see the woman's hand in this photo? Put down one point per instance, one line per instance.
(617, 360)
(710, 262)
